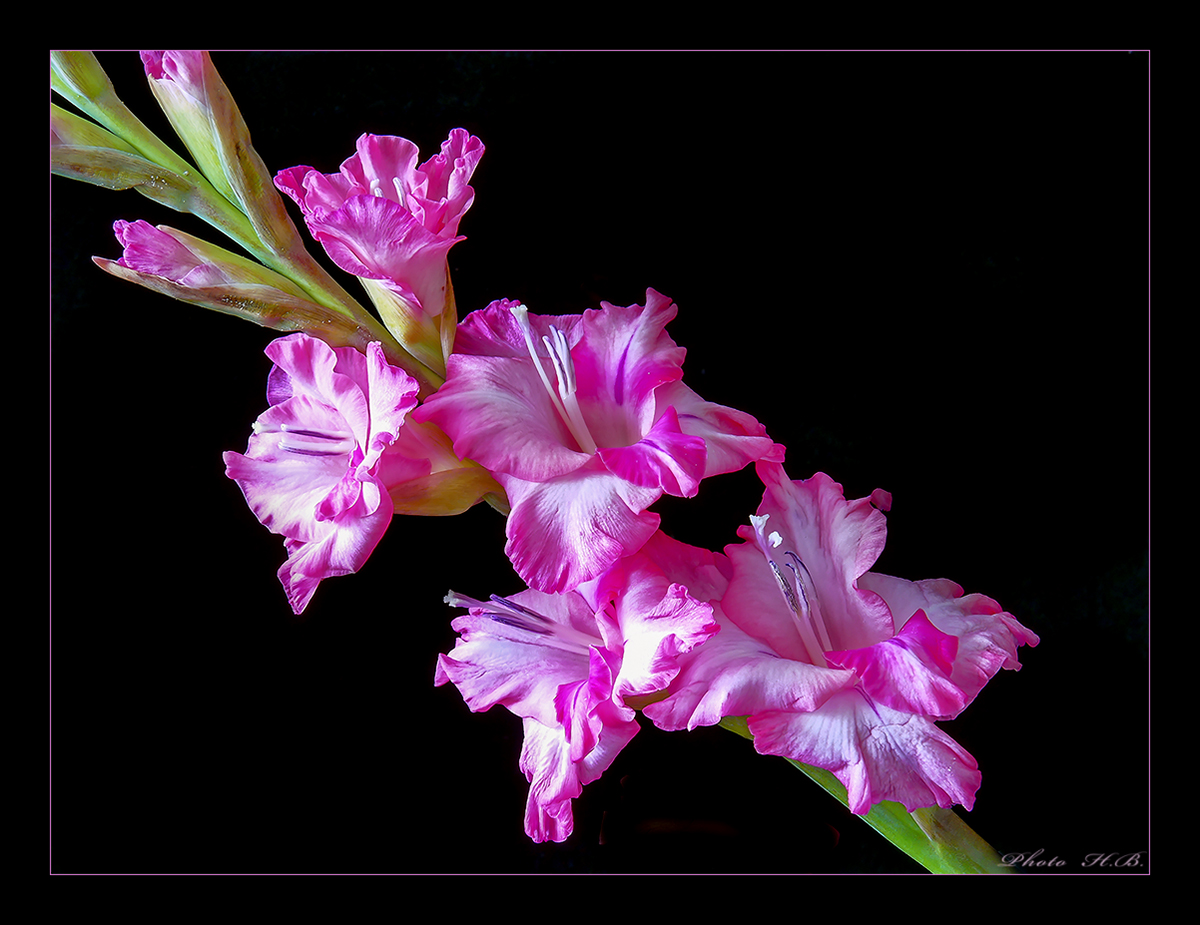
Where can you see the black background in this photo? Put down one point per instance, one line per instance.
(925, 272)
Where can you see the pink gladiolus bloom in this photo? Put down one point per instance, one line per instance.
(318, 466)
(585, 421)
(152, 251)
(839, 667)
(568, 665)
(182, 259)
(381, 217)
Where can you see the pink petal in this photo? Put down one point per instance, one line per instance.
(664, 458)
(573, 528)
(522, 669)
(988, 637)
(152, 251)
(622, 357)
(500, 415)
(396, 467)
(539, 655)
(375, 238)
(909, 672)
(378, 159)
(554, 780)
(446, 194)
(494, 332)
(733, 438)
(285, 489)
(656, 623)
(704, 573)
(756, 605)
(573, 702)
(343, 549)
(383, 218)
(553, 783)
(332, 378)
(878, 753)
(734, 674)
(315, 192)
(309, 469)
(392, 394)
(437, 193)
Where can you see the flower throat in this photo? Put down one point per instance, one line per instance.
(563, 397)
(304, 442)
(806, 609)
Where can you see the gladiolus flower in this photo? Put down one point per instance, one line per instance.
(317, 468)
(192, 263)
(569, 664)
(585, 421)
(392, 223)
(839, 667)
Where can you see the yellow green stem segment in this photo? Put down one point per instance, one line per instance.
(935, 838)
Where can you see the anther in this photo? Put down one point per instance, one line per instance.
(812, 611)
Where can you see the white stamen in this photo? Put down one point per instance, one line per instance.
(306, 442)
(377, 189)
(547, 632)
(563, 397)
(804, 615)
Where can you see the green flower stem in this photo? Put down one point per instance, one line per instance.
(935, 838)
(78, 78)
(301, 267)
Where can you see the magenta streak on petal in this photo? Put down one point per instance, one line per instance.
(619, 385)
(867, 697)
(563, 399)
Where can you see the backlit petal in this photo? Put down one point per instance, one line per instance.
(878, 753)
(571, 529)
